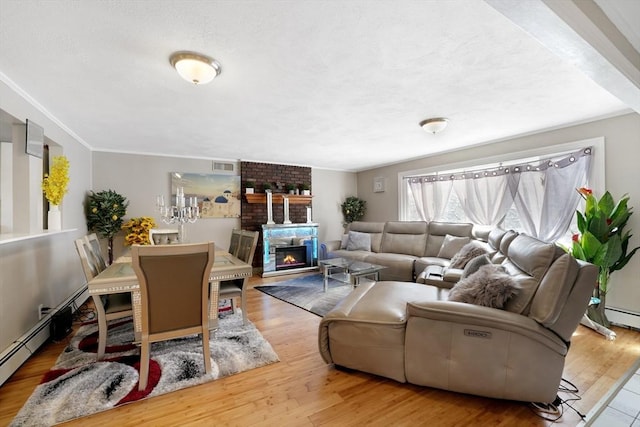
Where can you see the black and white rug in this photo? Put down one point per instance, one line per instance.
(307, 292)
(78, 386)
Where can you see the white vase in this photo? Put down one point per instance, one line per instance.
(54, 218)
(248, 190)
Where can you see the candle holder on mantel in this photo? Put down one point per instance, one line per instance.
(285, 205)
(269, 207)
(180, 213)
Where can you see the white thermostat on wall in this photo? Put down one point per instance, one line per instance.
(378, 185)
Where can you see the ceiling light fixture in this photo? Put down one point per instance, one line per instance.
(194, 67)
(434, 125)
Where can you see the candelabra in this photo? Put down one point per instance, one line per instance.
(180, 213)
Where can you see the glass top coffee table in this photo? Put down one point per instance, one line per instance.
(348, 271)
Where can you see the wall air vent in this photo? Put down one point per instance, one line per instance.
(223, 167)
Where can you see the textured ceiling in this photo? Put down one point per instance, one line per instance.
(338, 85)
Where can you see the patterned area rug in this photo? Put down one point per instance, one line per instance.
(78, 385)
(307, 293)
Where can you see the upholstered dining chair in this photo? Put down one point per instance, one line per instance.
(234, 244)
(232, 289)
(174, 292)
(108, 307)
(96, 250)
(163, 236)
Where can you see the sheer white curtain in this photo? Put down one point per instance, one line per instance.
(430, 195)
(486, 198)
(546, 199)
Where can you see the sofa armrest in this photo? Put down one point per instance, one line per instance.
(329, 246)
(479, 316)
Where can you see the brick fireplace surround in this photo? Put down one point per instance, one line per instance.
(254, 215)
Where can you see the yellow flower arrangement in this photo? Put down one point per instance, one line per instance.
(137, 230)
(54, 184)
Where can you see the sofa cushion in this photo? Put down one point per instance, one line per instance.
(528, 261)
(404, 237)
(358, 241)
(399, 267)
(438, 231)
(490, 286)
(466, 254)
(451, 245)
(473, 265)
(374, 229)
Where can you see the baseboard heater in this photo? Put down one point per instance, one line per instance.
(21, 349)
(622, 317)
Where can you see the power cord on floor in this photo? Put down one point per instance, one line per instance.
(555, 410)
(83, 313)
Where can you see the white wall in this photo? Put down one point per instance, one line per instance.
(140, 178)
(44, 270)
(622, 173)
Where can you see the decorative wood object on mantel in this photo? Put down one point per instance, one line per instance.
(278, 198)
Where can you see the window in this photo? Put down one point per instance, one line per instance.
(532, 193)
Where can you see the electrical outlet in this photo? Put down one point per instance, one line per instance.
(40, 307)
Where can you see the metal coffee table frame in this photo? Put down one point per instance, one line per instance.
(348, 271)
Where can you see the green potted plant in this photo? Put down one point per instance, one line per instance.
(602, 241)
(291, 188)
(249, 186)
(266, 187)
(353, 209)
(104, 211)
(306, 189)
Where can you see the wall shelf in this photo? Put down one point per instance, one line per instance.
(278, 198)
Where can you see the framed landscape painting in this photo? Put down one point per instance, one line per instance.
(218, 195)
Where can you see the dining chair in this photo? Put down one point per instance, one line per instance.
(108, 307)
(232, 289)
(234, 244)
(96, 250)
(174, 292)
(163, 236)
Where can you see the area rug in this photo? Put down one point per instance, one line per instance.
(307, 293)
(78, 386)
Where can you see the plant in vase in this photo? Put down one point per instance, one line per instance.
(306, 189)
(290, 188)
(602, 241)
(137, 230)
(353, 209)
(266, 187)
(249, 186)
(54, 186)
(104, 211)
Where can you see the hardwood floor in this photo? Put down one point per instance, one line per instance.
(301, 390)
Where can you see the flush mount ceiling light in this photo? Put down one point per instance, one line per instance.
(434, 125)
(194, 67)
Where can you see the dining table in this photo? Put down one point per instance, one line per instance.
(119, 277)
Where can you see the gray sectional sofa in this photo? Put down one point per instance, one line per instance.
(409, 248)
(511, 348)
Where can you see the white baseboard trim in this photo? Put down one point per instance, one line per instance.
(21, 349)
(623, 317)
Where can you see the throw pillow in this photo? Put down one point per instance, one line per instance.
(343, 242)
(473, 265)
(358, 241)
(451, 245)
(466, 254)
(490, 286)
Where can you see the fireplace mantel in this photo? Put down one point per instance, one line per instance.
(278, 198)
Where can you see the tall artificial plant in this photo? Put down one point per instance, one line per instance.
(104, 211)
(602, 241)
(353, 209)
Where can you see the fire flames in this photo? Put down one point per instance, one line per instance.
(289, 259)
